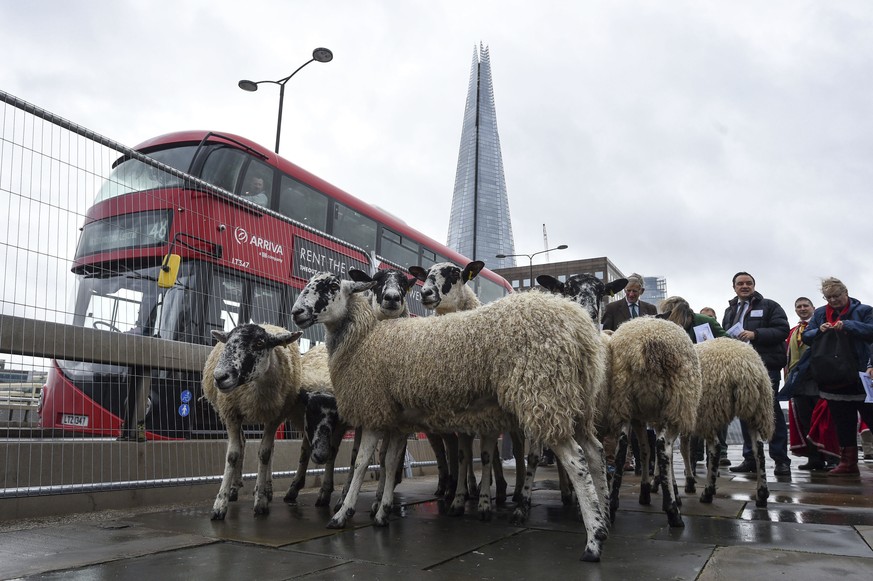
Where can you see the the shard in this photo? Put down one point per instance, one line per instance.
(479, 225)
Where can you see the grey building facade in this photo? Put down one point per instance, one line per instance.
(479, 224)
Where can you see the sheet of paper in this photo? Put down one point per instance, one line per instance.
(868, 386)
(735, 330)
(703, 332)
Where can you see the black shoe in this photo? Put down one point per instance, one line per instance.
(812, 465)
(724, 461)
(782, 469)
(745, 467)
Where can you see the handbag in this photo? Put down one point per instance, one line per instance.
(833, 361)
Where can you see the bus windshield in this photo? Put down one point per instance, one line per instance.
(131, 175)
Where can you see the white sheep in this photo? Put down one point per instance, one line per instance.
(529, 355)
(251, 376)
(445, 291)
(735, 384)
(653, 378)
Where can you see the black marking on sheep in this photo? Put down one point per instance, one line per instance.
(247, 349)
(585, 289)
(390, 292)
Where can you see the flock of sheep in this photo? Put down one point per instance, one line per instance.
(532, 363)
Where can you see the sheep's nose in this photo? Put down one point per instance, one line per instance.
(426, 292)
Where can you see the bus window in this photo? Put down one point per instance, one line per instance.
(131, 175)
(302, 203)
(266, 305)
(398, 249)
(428, 258)
(222, 167)
(257, 186)
(489, 291)
(229, 295)
(354, 228)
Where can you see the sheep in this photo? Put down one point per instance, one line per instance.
(445, 291)
(252, 375)
(323, 428)
(653, 377)
(532, 356)
(735, 384)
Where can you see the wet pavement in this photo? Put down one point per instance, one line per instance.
(815, 527)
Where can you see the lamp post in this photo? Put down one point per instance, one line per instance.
(530, 258)
(322, 55)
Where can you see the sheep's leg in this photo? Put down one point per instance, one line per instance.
(465, 443)
(369, 439)
(499, 479)
(439, 451)
(664, 451)
(383, 476)
(685, 449)
(518, 454)
(356, 445)
(597, 467)
(646, 484)
(713, 453)
(238, 466)
(519, 516)
(762, 493)
(615, 485)
(326, 489)
(453, 459)
(299, 480)
(395, 450)
(578, 471)
(472, 486)
(564, 484)
(489, 446)
(233, 457)
(264, 484)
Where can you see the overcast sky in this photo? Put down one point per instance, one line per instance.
(684, 139)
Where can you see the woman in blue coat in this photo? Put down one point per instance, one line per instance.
(843, 314)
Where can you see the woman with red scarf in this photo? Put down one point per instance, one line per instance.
(843, 314)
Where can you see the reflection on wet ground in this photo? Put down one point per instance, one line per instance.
(813, 527)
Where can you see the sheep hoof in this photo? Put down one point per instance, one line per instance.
(291, 496)
(674, 519)
(262, 509)
(706, 496)
(336, 523)
(380, 521)
(519, 517)
(485, 515)
(323, 498)
(219, 514)
(233, 496)
(645, 494)
(455, 510)
(761, 498)
(590, 556)
(440, 491)
(690, 487)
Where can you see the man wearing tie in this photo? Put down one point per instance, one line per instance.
(616, 313)
(762, 323)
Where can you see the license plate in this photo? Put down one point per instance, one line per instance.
(73, 420)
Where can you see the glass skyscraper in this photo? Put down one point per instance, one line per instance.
(479, 224)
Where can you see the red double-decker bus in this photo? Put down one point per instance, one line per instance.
(242, 230)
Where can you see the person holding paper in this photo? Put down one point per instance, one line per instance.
(844, 314)
(762, 323)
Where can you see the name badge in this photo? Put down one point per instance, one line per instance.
(756, 313)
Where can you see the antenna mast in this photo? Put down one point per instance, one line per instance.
(545, 242)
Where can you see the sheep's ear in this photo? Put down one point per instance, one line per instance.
(286, 338)
(359, 287)
(615, 286)
(359, 275)
(551, 283)
(471, 270)
(220, 336)
(410, 283)
(418, 272)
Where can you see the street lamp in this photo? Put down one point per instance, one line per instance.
(530, 258)
(322, 55)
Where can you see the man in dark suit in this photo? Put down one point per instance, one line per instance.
(616, 313)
